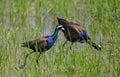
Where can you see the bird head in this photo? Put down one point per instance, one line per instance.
(60, 27)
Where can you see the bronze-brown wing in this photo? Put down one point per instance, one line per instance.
(70, 30)
(70, 25)
(38, 43)
(75, 27)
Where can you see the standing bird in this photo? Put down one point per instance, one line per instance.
(75, 33)
(42, 44)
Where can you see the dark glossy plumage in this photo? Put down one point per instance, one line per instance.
(75, 33)
(42, 44)
(38, 44)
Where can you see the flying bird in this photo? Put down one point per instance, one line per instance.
(42, 44)
(75, 33)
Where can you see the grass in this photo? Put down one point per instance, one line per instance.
(22, 21)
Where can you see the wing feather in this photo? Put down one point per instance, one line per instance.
(39, 43)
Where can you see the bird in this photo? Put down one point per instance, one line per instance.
(75, 33)
(41, 44)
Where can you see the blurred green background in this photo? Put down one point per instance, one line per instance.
(24, 20)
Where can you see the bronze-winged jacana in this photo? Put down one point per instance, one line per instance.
(75, 33)
(42, 44)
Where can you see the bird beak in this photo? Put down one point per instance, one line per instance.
(62, 29)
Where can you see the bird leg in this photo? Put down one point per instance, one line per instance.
(38, 58)
(71, 45)
(22, 66)
(65, 43)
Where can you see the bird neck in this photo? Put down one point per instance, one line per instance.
(51, 40)
(54, 36)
